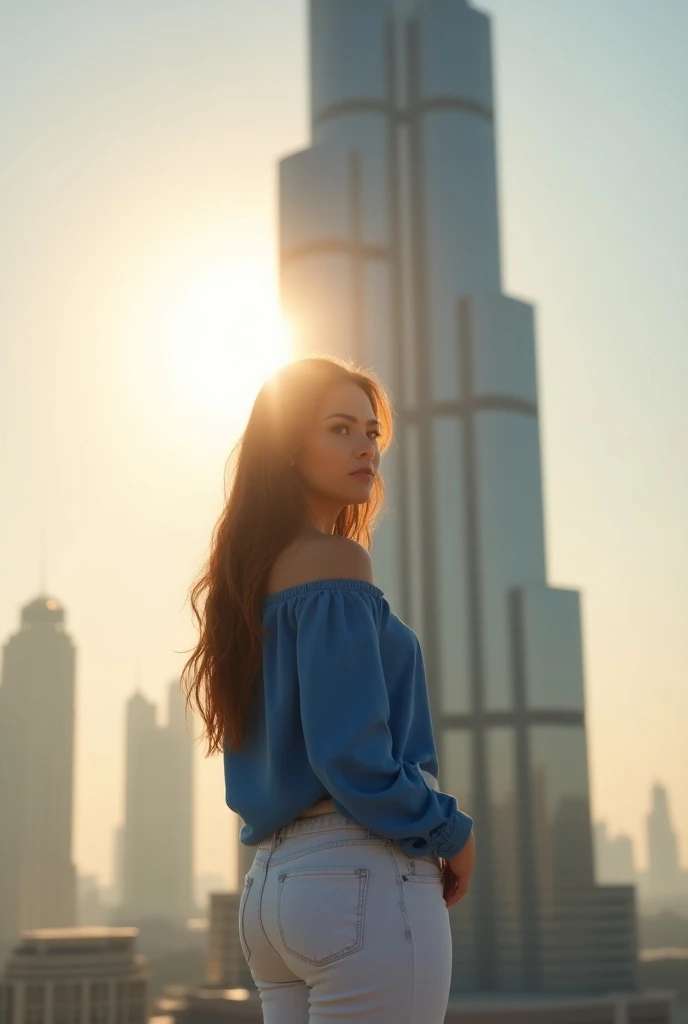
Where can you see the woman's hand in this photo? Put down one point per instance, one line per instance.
(456, 872)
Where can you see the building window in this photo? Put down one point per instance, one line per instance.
(6, 1004)
(35, 1004)
(137, 1002)
(67, 1003)
(122, 1009)
(99, 1012)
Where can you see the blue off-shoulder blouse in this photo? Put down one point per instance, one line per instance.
(344, 713)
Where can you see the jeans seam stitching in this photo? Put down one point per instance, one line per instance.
(409, 933)
(242, 930)
(260, 913)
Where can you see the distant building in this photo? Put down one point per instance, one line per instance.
(614, 861)
(184, 1004)
(204, 886)
(663, 888)
(75, 976)
(37, 696)
(117, 888)
(92, 907)
(158, 829)
(226, 967)
(665, 875)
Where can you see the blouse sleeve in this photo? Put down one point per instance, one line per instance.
(345, 717)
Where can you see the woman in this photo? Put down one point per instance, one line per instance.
(315, 693)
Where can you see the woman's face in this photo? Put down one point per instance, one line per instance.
(340, 446)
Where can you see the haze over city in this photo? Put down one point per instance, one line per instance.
(139, 213)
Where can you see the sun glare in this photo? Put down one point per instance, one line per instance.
(223, 338)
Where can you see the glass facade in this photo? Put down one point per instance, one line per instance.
(451, 572)
(328, 321)
(560, 810)
(503, 803)
(455, 82)
(409, 396)
(463, 254)
(456, 777)
(503, 354)
(317, 185)
(337, 31)
(510, 535)
(455, 52)
(378, 345)
(443, 264)
(552, 647)
(456, 770)
(459, 358)
(365, 132)
(414, 553)
(387, 538)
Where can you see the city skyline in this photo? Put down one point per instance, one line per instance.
(128, 491)
(613, 865)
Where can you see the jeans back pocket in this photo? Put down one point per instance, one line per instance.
(320, 912)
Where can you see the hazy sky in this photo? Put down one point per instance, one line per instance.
(138, 204)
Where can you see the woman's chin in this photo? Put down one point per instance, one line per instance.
(361, 490)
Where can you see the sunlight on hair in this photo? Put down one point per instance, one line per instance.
(224, 336)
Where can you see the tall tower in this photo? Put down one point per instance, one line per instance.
(390, 254)
(664, 875)
(158, 828)
(180, 784)
(37, 695)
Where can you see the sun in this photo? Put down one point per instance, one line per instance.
(222, 337)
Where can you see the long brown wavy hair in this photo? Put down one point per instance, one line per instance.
(264, 512)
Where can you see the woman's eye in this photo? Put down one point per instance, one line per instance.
(343, 426)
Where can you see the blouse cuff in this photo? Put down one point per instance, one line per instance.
(447, 840)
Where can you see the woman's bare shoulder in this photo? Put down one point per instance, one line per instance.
(320, 558)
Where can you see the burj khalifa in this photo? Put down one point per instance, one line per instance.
(389, 246)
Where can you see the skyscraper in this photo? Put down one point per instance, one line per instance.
(37, 691)
(665, 877)
(158, 827)
(390, 254)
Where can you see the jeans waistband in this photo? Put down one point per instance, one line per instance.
(324, 822)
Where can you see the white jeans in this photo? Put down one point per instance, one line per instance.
(338, 924)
